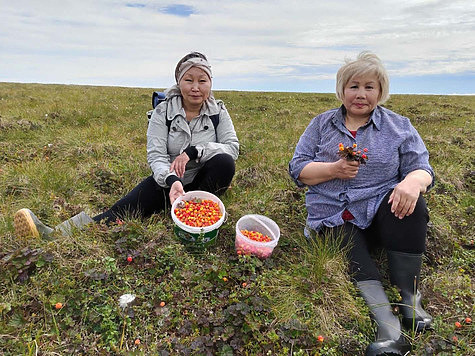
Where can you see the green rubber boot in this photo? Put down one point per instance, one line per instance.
(404, 272)
(389, 340)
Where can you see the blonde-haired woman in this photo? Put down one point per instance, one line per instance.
(379, 203)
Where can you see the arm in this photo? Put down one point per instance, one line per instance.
(307, 166)
(157, 152)
(318, 172)
(417, 174)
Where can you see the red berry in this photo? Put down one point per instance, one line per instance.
(455, 338)
(468, 320)
(162, 304)
(458, 325)
(129, 258)
(58, 305)
(320, 338)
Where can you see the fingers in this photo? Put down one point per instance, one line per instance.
(179, 165)
(401, 206)
(347, 169)
(176, 190)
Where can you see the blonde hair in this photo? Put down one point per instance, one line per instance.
(365, 63)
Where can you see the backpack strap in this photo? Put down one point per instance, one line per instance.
(215, 121)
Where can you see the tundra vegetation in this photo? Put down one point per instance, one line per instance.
(65, 148)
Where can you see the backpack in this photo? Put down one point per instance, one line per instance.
(158, 97)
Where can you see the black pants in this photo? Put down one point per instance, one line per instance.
(386, 231)
(148, 197)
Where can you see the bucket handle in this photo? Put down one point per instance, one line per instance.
(263, 224)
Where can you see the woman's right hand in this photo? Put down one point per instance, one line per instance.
(318, 172)
(345, 169)
(176, 191)
(179, 164)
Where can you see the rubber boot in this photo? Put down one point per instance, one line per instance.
(404, 271)
(389, 340)
(76, 222)
(28, 225)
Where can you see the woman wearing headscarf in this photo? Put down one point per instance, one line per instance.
(191, 145)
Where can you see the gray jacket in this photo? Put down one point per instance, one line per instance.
(164, 145)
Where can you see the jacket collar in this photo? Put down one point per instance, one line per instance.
(175, 107)
(375, 117)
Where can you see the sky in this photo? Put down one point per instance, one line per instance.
(427, 46)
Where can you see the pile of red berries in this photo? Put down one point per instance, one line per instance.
(198, 212)
(254, 243)
(352, 153)
(256, 236)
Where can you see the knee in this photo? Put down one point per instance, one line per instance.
(420, 211)
(223, 162)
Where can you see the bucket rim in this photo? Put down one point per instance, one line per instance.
(202, 195)
(258, 243)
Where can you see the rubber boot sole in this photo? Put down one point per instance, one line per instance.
(24, 224)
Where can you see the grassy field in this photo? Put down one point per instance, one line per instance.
(64, 149)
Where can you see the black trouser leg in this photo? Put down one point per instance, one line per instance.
(144, 200)
(403, 235)
(215, 176)
(405, 242)
(362, 266)
(386, 230)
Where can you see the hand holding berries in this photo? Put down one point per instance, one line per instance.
(353, 153)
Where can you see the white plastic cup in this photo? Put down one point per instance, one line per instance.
(259, 223)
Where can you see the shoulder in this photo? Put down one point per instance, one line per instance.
(327, 117)
(160, 109)
(393, 125)
(391, 114)
(329, 113)
(393, 118)
(214, 107)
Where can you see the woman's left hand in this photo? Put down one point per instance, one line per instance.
(404, 197)
(179, 164)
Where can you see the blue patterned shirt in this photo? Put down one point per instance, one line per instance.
(394, 150)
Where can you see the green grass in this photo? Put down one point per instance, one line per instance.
(64, 149)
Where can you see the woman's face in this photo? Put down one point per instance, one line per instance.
(361, 95)
(195, 87)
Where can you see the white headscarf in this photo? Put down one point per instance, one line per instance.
(198, 62)
(193, 62)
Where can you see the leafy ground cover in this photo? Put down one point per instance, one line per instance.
(64, 149)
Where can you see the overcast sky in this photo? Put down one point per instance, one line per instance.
(428, 46)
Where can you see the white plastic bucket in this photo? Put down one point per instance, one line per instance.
(259, 223)
(197, 236)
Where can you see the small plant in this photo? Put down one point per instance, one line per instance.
(352, 153)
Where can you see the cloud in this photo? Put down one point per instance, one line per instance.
(255, 44)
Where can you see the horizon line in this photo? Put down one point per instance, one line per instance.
(237, 90)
